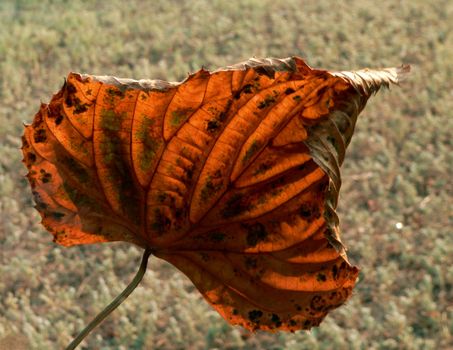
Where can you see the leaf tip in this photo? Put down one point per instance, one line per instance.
(402, 72)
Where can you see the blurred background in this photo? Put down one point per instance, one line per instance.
(395, 205)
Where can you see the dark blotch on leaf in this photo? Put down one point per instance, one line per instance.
(320, 277)
(289, 91)
(301, 167)
(335, 272)
(70, 88)
(211, 187)
(31, 157)
(247, 89)
(46, 177)
(275, 319)
(68, 101)
(317, 303)
(40, 136)
(309, 211)
(56, 215)
(161, 197)
(254, 147)
(263, 167)
(255, 234)
(189, 173)
(73, 101)
(161, 222)
(179, 116)
(255, 315)
(79, 107)
(266, 102)
(234, 206)
(222, 116)
(114, 92)
(58, 119)
(213, 125)
(305, 210)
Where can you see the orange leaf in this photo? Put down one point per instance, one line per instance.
(232, 176)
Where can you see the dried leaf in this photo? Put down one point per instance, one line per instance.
(232, 176)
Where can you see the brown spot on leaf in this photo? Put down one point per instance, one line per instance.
(335, 272)
(320, 277)
(70, 88)
(212, 185)
(262, 168)
(255, 233)
(79, 107)
(116, 93)
(40, 135)
(318, 303)
(161, 222)
(57, 215)
(255, 315)
(276, 319)
(58, 119)
(45, 176)
(72, 100)
(234, 206)
(213, 125)
(309, 211)
(268, 100)
(254, 147)
(246, 89)
(31, 157)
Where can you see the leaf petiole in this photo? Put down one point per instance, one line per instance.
(114, 304)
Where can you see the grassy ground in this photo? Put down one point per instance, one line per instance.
(398, 168)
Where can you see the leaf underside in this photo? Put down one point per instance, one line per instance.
(232, 176)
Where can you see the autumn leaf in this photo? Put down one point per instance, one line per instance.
(232, 176)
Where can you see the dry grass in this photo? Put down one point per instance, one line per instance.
(398, 169)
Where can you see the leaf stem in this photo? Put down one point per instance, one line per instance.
(114, 304)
